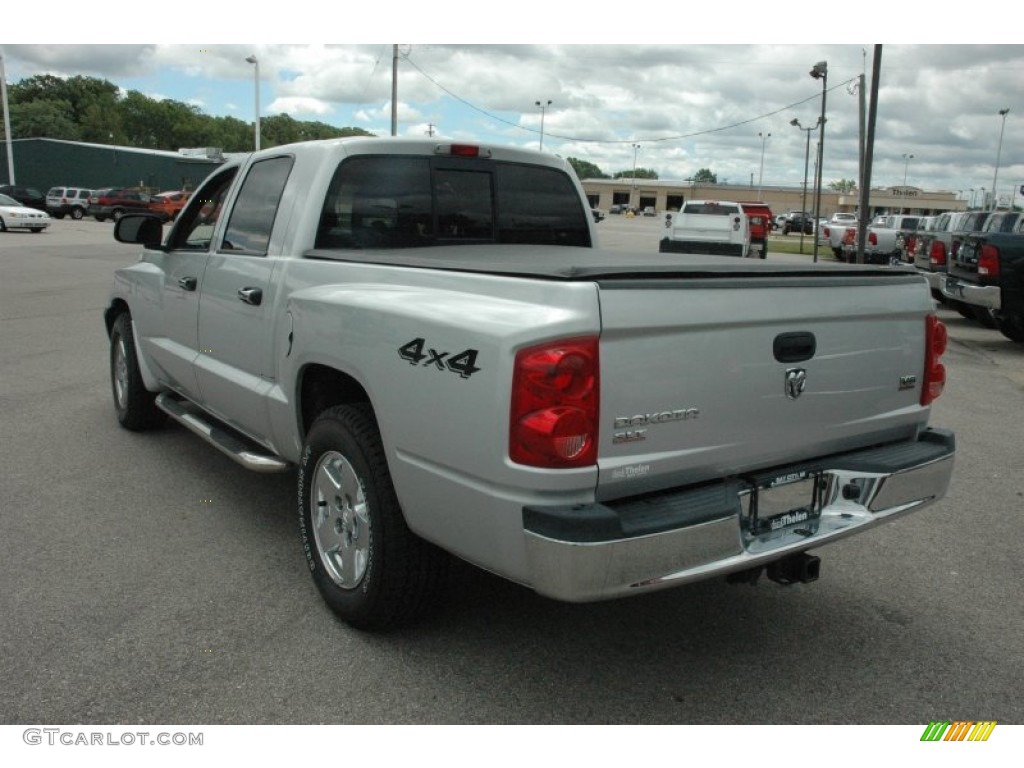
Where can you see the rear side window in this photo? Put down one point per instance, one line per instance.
(408, 202)
(254, 212)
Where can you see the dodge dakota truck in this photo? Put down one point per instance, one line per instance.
(427, 336)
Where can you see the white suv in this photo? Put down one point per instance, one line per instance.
(67, 201)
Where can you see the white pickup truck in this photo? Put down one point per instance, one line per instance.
(426, 335)
(716, 227)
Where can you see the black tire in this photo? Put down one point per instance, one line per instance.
(985, 316)
(77, 214)
(133, 403)
(57, 215)
(1011, 325)
(370, 569)
(966, 310)
(3, 227)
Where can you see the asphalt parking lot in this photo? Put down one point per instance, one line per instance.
(148, 579)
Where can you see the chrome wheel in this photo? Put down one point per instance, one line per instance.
(120, 373)
(341, 523)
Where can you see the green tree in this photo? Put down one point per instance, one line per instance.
(705, 176)
(641, 173)
(585, 169)
(844, 186)
(43, 119)
(89, 109)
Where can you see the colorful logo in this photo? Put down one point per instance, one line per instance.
(959, 730)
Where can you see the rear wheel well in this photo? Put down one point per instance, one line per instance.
(321, 388)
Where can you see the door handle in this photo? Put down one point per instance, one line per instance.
(252, 296)
(188, 283)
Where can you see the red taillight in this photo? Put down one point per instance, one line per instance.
(937, 255)
(826, 232)
(988, 261)
(872, 238)
(934, 371)
(555, 396)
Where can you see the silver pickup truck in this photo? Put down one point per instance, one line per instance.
(884, 241)
(426, 334)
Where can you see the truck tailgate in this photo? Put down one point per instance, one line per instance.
(714, 376)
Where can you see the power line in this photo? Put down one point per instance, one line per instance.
(580, 140)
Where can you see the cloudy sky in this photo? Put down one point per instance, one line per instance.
(689, 105)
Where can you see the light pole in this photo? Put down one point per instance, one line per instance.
(906, 165)
(970, 204)
(760, 176)
(7, 122)
(636, 148)
(252, 60)
(819, 72)
(984, 198)
(995, 176)
(807, 162)
(543, 107)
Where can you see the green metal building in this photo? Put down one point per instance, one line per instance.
(45, 163)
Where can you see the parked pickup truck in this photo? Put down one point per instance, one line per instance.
(760, 219)
(834, 230)
(718, 227)
(987, 273)
(426, 334)
(883, 241)
(932, 248)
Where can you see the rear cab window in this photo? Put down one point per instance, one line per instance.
(378, 202)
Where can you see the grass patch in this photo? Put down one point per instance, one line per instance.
(791, 244)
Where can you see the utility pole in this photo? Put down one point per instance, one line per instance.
(995, 176)
(394, 89)
(7, 122)
(862, 98)
(430, 130)
(869, 151)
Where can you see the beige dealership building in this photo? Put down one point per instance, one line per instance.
(665, 195)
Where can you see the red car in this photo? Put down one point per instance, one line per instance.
(114, 202)
(169, 204)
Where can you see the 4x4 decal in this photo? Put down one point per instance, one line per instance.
(462, 363)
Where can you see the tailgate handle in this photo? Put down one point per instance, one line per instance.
(794, 347)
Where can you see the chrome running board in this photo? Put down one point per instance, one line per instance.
(220, 437)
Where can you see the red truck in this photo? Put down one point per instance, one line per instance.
(760, 216)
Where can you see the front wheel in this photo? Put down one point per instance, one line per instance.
(77, 214)
(370, 569)
(135, 406)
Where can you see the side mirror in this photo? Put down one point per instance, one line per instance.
(142, 230)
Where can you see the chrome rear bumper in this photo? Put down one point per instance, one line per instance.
(598, 551)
